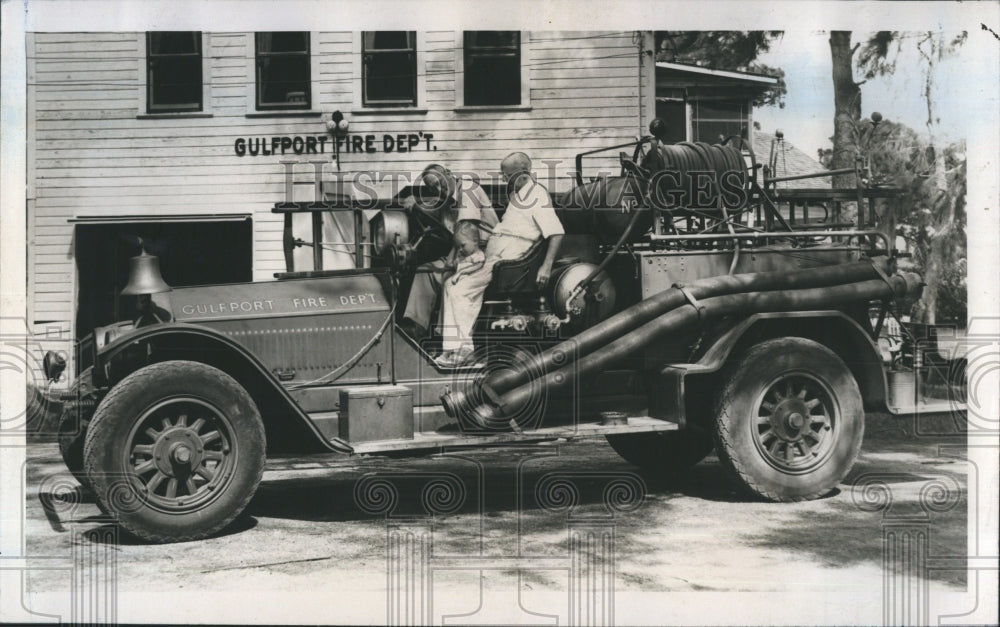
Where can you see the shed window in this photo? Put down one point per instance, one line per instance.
(390, 67)
(283, 71)
(714, 120)
(492, 67)
(173, 66)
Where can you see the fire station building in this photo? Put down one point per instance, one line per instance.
(187, 140)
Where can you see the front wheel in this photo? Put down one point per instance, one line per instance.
(789, 420)
(175, 451)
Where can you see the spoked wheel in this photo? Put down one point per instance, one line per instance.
(797, 422)
(181, 454)
(789, 420)
(175, 451)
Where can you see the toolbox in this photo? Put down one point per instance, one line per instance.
(380, 412)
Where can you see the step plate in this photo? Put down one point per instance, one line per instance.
(432, 440)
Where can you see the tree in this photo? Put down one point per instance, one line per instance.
(936, 198)
(846, 106)
(725, 50)
(878, 57)
(931, 220)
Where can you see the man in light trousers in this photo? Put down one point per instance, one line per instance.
(530, 217)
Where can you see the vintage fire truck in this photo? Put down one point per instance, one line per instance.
(695, 305)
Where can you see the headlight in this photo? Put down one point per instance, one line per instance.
(54, 364)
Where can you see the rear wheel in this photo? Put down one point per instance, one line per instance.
(789, 420)
(175, 451)
(664, 452)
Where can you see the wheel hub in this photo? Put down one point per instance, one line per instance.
(790, 420)
(794, 422)
(181, 454)
(177, 452)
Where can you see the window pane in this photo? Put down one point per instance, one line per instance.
(492, 38)
(715, 132)
(283, 42)
(389, 40)
(390, 76)
(284, 81)
(674, 113)
(492, 81)
(492, 68)
(720, 110)
(174, 42)
(176, 81)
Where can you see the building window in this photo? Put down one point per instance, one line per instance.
(173, 66)
(492, 67)
(714, 120)
(673, 112)
(390, 68)
(283, 71)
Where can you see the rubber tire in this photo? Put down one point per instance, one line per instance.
(664, 452)
(126, 402)
(744, 380)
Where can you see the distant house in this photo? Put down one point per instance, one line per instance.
(707, 105)
(788, 161)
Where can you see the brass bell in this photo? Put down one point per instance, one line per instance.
(144, 277)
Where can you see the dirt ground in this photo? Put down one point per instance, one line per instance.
(510, 533)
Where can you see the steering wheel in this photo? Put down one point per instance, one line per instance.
(429, 225)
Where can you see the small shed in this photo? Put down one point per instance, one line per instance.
(705, 104)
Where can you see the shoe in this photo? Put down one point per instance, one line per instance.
(455, 358)
(446, 360)
(464, 356)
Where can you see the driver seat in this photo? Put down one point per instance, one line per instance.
(517, 276)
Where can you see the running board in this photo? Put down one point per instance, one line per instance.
(923, 407)
(433, 439)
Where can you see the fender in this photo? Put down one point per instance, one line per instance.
(173, 340)
(834, 329)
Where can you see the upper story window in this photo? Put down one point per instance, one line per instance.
(492, 61)
(389, 76)
(714, 120)
(174, 71)
(283, 71)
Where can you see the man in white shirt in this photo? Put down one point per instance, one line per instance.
(470, 203)
(530, 217)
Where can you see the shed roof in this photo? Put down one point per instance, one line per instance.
(790, 161)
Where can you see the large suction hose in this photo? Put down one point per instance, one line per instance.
(681, 318)
(646, 310)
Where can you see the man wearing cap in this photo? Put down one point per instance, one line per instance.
(470, 203)
(530, 217)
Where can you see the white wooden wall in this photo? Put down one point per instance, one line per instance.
(93, 152)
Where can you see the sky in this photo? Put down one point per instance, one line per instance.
(807, 118)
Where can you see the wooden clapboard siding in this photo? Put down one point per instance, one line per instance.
(94, 153)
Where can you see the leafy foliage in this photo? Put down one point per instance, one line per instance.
(932, 221)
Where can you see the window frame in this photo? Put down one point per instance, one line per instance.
(309, 104)
(414, 84)
(526, 55)
(146, 106)
(694, 119)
